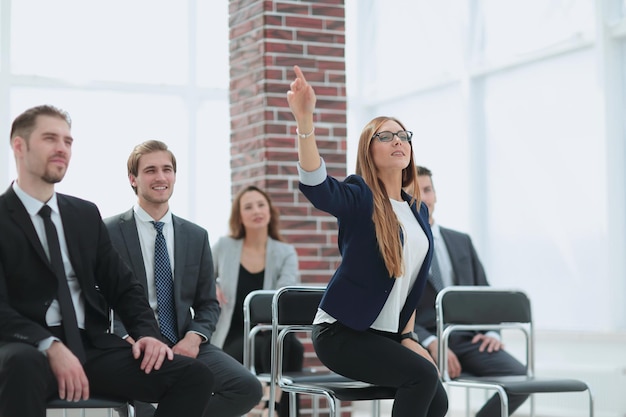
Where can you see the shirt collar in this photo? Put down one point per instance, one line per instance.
(33, 205)
(143, 215)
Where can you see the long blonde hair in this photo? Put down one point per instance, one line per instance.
(385, 220)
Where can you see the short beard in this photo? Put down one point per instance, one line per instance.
(52, 179)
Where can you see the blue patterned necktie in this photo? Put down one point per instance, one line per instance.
(164, 286)
(435, 274)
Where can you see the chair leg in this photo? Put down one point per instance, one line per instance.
(315, 405)
(271, 400)
(376, 408)
(293, 399)
(335, 407)
(504, 402)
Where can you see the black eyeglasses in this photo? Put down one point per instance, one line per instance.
(386, 136)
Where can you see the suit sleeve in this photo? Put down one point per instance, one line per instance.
(206, 307)
(288, 272)
(215, 253)
(14, 327)
(480, 277)
(115, 236)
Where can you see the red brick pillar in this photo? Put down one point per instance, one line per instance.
(266, 39)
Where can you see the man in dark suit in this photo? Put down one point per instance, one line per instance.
(59, 274)
(457, 263)
(152, 175)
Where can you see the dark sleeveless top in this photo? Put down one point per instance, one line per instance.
(247, 283)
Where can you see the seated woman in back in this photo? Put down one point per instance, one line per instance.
(253, 257)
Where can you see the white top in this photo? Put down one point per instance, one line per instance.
(414, 251)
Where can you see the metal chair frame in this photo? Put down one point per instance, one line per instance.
(257, 317)
(293, 310)
(91, 403)
(485, 308)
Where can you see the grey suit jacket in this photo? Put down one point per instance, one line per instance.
(468, 270)
(197, 308)
(281, 269)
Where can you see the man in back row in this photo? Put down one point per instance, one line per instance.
(172, 259)
(58, 274)
(455, 262)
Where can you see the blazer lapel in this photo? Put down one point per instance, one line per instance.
(456, 253)
(269, 264)
(131, 238)
(181, 240)
(423, 224)
(71, 230)
(20, 216)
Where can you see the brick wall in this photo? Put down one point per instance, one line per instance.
(266, 39)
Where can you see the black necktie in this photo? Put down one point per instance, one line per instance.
(164, 286)
(435, 274)
(68, 314)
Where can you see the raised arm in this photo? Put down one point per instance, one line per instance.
(301, 98)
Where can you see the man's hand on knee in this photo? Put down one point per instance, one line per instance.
(70, 375)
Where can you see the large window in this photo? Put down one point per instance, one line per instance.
(126, 72)
(517, 107)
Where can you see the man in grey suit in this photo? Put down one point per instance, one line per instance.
(172, 259)
(457, 263)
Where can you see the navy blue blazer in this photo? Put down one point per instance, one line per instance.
(361, 284)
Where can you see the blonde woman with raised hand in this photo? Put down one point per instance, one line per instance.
(364, 326)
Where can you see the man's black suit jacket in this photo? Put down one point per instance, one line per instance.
(468, 270)
(28, 284)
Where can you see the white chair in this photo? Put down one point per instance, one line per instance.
(293, 310)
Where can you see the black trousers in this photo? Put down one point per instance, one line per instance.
(27, 382)
(380, 359)
(487, 364)
(236, 390)
(293, 360)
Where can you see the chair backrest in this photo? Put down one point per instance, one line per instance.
(257, 316)
(293, 309)
(483, 305)
(477, 308)
(296, 305)
(257, 307)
